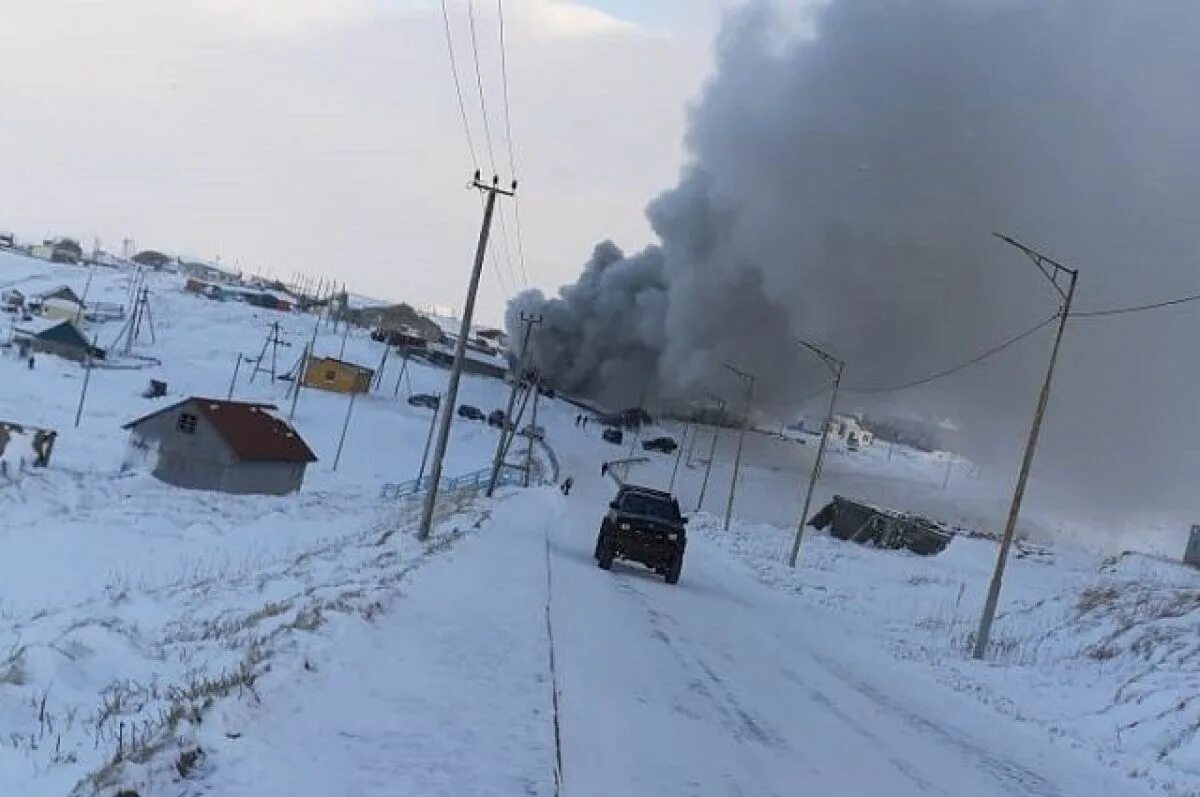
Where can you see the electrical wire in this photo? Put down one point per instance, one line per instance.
(1136, 308)
(994, 350)
(462, 106)
(508, 137)
(487, 134)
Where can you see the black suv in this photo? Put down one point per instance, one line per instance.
(643, 525)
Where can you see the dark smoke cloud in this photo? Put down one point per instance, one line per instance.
(842, 187)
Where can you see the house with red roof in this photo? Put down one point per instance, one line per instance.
(226, 446)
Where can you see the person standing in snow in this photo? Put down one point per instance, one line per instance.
(566, 485)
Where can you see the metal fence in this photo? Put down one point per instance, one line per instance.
(467, 482)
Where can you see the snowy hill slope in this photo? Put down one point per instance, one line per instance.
(139, 622)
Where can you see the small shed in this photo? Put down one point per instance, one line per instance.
(60, 337)
(327, 373)
(225, 446)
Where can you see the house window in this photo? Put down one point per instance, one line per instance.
(186, 423)
(330, 376)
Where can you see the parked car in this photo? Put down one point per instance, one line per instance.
(645, 526)
(614, 436)
(471, 413)
(666, 445)
(425, 400)
(498, 419)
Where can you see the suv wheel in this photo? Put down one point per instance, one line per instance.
(604, 554)
(674, 568)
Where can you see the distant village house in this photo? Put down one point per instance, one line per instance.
(327, 373)
(225, 446)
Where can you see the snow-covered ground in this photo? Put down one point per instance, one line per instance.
(308, 644)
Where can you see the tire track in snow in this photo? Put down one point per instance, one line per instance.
(1016, 778)
(554, 689)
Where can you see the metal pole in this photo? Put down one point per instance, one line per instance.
(399, 376)
(428, 441)
(712, 452)
(345, 334)
(501, 444)
(737, 458)
(299, 383)
(87, 374)
(1010, 526)
(678, 456)
(345, 425)
(460, 348)
(946, 478)
(232, 382)
(537, 391)
(816, 469)
(692, 445)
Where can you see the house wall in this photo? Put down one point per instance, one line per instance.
(263, 478)
(61, 309)
(57, 349)
(197, 461)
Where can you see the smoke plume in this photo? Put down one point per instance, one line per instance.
(842, 185)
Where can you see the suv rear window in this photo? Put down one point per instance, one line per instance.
(650, 506)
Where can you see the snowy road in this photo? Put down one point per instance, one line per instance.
(719, 686)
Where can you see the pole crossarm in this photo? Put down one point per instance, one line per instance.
(1050, 268)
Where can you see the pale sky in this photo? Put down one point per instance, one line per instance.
(323, 136)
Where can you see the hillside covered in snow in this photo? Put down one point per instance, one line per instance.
(174, 641)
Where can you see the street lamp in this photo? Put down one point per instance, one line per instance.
(835, 366)
(748, 379)
(1051, 271)
(712, 451)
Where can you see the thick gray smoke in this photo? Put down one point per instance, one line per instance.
(842, 187)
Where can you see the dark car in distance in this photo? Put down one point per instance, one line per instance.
(643, 525)
(497, 418)
(611, 435)
(470, 413)
(425, 400)
(664, 444)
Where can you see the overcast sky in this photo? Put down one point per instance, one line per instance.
(324, 136)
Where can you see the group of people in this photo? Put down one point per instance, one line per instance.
(581, 420)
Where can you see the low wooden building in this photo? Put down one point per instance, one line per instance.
(226, 446)
(327, 373)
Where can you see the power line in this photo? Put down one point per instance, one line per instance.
(508, 136)
(1136, 308)
(994, 350)
(462, 106)
(487, 133)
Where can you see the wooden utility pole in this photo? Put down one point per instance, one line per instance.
(429, 439)
(737, 458)
(502, 444)
(818, 461)
(460, 348)
(678, 456)
(1051, 271)
(345, 426)
(712, 453)
(536, 386)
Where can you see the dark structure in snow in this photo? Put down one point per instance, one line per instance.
(855, 521)
(227, 446)
(58, 337)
